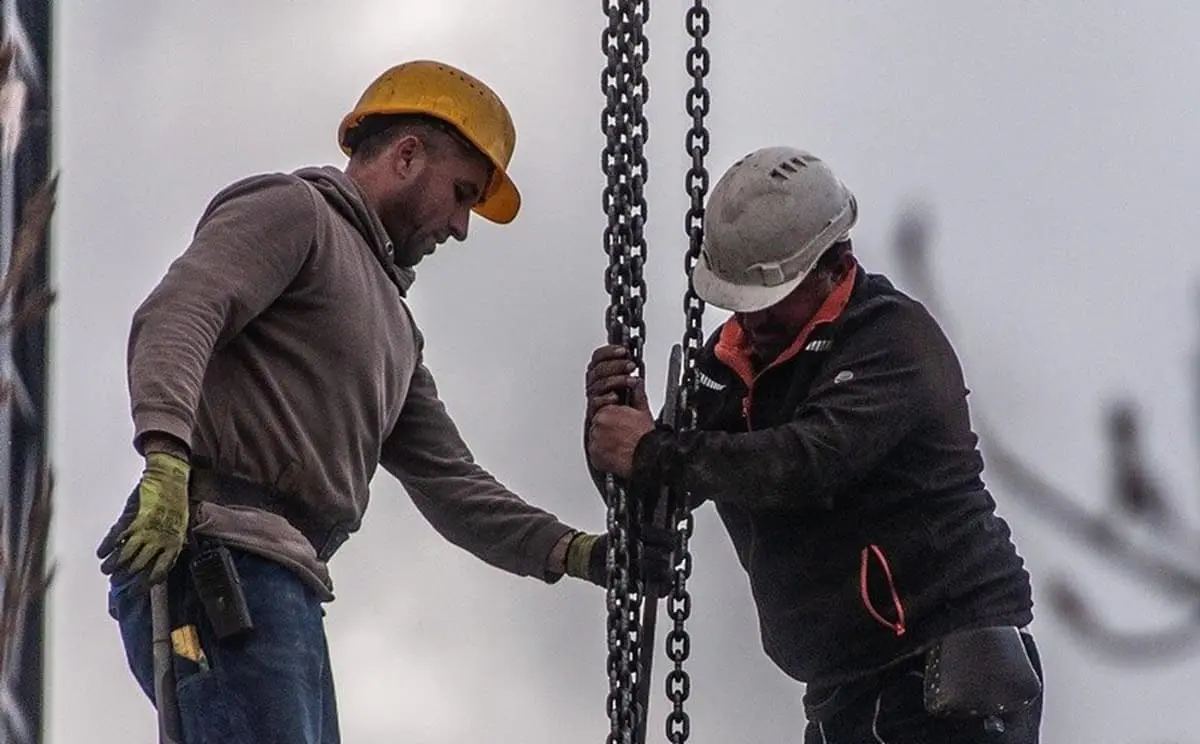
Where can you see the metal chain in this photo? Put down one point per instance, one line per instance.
(637, 14)
(697, 181)
(623, 162)
(679, 602)
(626, 131)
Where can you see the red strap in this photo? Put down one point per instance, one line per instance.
(898, 626)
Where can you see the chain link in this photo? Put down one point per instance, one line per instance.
(679, 602)
(626, 130)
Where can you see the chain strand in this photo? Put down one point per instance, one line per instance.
(626, 131)
(623, 162)
(679, 602)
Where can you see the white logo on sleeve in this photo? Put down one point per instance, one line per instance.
(844, 376)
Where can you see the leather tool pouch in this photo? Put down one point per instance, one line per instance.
(979, 672)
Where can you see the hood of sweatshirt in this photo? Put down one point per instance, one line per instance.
(345, 197)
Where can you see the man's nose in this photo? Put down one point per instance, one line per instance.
(460, 223)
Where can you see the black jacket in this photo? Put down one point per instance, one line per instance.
(852, 462)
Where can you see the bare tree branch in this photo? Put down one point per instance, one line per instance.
(1128, 647)
(1169, 565)
(24, 528)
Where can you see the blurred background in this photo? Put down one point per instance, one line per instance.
(1027, 169)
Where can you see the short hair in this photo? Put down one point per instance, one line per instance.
(374, 133)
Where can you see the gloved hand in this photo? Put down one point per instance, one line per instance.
(149, 535)
(587, 556)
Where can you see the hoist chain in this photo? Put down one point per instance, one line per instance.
(623, 162)
(626, 131)
(679, 602)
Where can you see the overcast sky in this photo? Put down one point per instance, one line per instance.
(1056, 142)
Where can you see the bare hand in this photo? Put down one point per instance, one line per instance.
(609, 374)
(613, 436)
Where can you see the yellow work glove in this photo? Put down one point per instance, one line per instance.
(587, 558)
(149, 535)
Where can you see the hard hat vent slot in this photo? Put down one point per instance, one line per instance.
(782, 171)
(790, 166)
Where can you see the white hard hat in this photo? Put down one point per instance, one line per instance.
(769, 219)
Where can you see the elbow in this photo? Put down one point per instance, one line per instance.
(794, 483)
(757, 483)
(799, 500)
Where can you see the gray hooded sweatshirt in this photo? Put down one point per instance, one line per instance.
(280, 348)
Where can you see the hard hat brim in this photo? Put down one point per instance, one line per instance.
(502, 205)
(738, 298)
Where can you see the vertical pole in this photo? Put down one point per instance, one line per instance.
(164, 675)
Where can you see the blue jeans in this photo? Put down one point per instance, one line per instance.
(893, 712)
(272, 686)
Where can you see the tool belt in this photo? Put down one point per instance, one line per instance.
(214, 487)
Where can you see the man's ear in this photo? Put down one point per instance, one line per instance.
(408, 157)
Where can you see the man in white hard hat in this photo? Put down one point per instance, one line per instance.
(834, 440)
(274, 369)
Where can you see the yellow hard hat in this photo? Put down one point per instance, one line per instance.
(451, 95)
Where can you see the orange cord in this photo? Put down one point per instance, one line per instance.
(898, 626)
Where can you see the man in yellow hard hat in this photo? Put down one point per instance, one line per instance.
(271, 371)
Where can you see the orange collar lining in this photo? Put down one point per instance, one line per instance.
(733, 346)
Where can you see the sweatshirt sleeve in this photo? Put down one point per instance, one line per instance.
(878, 387)
(462, 501)
(251, 242)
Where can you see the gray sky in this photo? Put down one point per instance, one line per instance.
(1056, 142)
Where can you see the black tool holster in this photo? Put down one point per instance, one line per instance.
(218, 587)
(980, 672)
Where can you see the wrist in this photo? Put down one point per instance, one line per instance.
(168, 470)
(556, 562)
(652, 457)
(159, 442)
(579, 555)
(168, 461)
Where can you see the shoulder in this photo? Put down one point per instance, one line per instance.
(277, 198)
(879, 309)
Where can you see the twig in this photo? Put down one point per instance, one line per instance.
(1135, 491)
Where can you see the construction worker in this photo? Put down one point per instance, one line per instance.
(834, 440)
(271, 371)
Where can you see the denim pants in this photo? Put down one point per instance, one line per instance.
(272, 686)
(893, 712)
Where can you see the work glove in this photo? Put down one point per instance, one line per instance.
(587, 557)
(149, 535)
